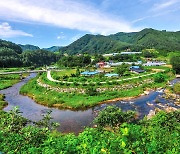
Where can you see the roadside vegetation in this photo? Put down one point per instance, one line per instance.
(116, 132)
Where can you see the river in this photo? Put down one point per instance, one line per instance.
(75, 121)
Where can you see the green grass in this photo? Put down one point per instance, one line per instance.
(2, 102)
(64, 72)
(12, 69)
(8, 80)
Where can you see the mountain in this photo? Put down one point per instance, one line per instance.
(150, 38)
(94, 44)
(6, 44)
(29, 47)
(136, 41)
(53, 48)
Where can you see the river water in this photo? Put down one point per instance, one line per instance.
(75, 121)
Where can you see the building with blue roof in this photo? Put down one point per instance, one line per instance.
(136, 69)
(90, 73)
(111, 75)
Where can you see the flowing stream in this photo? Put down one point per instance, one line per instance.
(75, 121)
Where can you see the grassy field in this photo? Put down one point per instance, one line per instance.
(9, 80)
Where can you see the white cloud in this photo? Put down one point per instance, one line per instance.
(60, 37)
(76, 37)
(64, 14)
(6, 31)
(164, 5)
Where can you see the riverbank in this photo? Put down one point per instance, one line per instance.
(77, 101)
(9, 80)
(173, 93)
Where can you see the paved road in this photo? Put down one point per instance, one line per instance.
(20, 72)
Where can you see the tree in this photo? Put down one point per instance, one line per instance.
(122, 69)
(113, 116)
(159, 78)
(175, 62)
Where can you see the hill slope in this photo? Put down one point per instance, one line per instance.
(94, 44)
(29, 47)
(150, 38)
(53, 48)
(147, 38)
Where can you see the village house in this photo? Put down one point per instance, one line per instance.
(136, 69)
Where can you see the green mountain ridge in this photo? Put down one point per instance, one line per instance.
(29, 47)
(150, 38)
(136, 41)
(53, 48)
(93, 44)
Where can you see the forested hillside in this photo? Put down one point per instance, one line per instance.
(93, 44)
(136, 41)
(53, 48)
(29, 47)
(150, 38)
(11, 55)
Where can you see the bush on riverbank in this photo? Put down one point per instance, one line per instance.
(157, 135)
(177, 88)
(2, 102)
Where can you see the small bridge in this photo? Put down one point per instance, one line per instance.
(21, 72)
(177, 75)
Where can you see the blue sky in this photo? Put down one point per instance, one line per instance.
(59, 22)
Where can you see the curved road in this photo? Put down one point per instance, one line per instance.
(136, 77)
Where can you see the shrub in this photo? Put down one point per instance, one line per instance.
(113, 116)
(91, 91)
(177, 88)
(159, 78)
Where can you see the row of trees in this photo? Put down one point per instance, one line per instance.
(74, 61)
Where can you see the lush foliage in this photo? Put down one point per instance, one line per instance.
(122, 69)
(175, 61)
(113, 117)
(159, 78)
(158, 135)
(177, 88)
(38, 58)
(73, 61)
